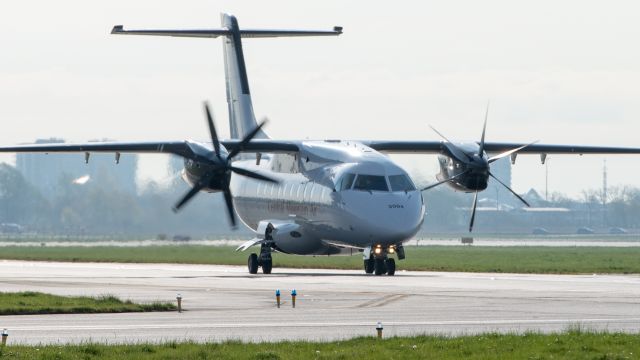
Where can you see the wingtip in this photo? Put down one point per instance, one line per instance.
(117, 29)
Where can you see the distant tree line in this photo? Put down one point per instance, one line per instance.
(449, 211)
(99, 207)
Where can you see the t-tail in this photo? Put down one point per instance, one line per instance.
(241, 117)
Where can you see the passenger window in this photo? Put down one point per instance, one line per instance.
(346, 181)
(370, 183)
(401, 183)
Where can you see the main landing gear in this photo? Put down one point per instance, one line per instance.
(377, 260)
(380, 266)
(264, 260)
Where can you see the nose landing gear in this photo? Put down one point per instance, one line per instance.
(390, 264)
(369, 265)
(377, 261)
(380, 266)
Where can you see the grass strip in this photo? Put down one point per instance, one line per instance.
(513, 259)
(568, 345)
(30, 302)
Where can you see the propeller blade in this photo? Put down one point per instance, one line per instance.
(484, 129)
(444, 181)
(191, 193)
(509, 152)
(508, 188)
(246, 140)
(212, 130)
(454, 148)
(440, 134)
(473, 211)
(229, 201)
(252, 174)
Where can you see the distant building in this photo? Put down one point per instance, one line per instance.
(46, 171)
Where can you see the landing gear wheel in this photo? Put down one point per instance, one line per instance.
(369, 265)
(391, 266)
(267, 265)
(252, 263)
(379, 266)
(264, 260)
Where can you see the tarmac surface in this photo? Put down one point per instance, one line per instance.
(225, 302)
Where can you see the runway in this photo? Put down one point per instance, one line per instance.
(225, 302)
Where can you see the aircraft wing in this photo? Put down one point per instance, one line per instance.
(560, 149)
(264, 146)
(435, 147)
(181, 148)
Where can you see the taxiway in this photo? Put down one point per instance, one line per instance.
(224, 302)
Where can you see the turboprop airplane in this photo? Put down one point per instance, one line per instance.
(323, 197)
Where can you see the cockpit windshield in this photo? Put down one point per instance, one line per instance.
(345, 182)
(363, 182)
(401, 183)
(370, 183)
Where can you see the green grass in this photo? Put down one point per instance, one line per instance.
(569, 345)
(514, 259)
(29, 302)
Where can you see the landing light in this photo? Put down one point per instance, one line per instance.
(392, 249)
(377, 250)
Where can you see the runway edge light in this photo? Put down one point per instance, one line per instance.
(294, 293)
(5, 335)
(278, 298)
(179, 298)
(379, 329)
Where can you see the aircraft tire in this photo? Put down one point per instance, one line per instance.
(369, 265)
(391, 266)
(379, 266)
(267, 265)
(252, 263)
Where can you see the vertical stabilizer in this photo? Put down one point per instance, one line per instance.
(241, 117)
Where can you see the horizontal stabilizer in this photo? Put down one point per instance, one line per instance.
(214, 33)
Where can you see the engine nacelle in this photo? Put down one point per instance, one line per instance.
(287, 237)
(193, 171)
(471, 182)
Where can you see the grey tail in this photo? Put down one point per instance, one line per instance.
(241, 117)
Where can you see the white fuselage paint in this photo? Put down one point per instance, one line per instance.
(331, 221)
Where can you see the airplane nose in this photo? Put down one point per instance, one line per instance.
(390, 218)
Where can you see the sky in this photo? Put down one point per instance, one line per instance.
(555, 71)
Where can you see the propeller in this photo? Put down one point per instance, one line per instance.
(220, 169)
(444, 181)
(484, 130)
(455, 150)
(473, 210)
(477, 164)
(509, 152)
(510, 189)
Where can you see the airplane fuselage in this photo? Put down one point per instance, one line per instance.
(332, 198)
